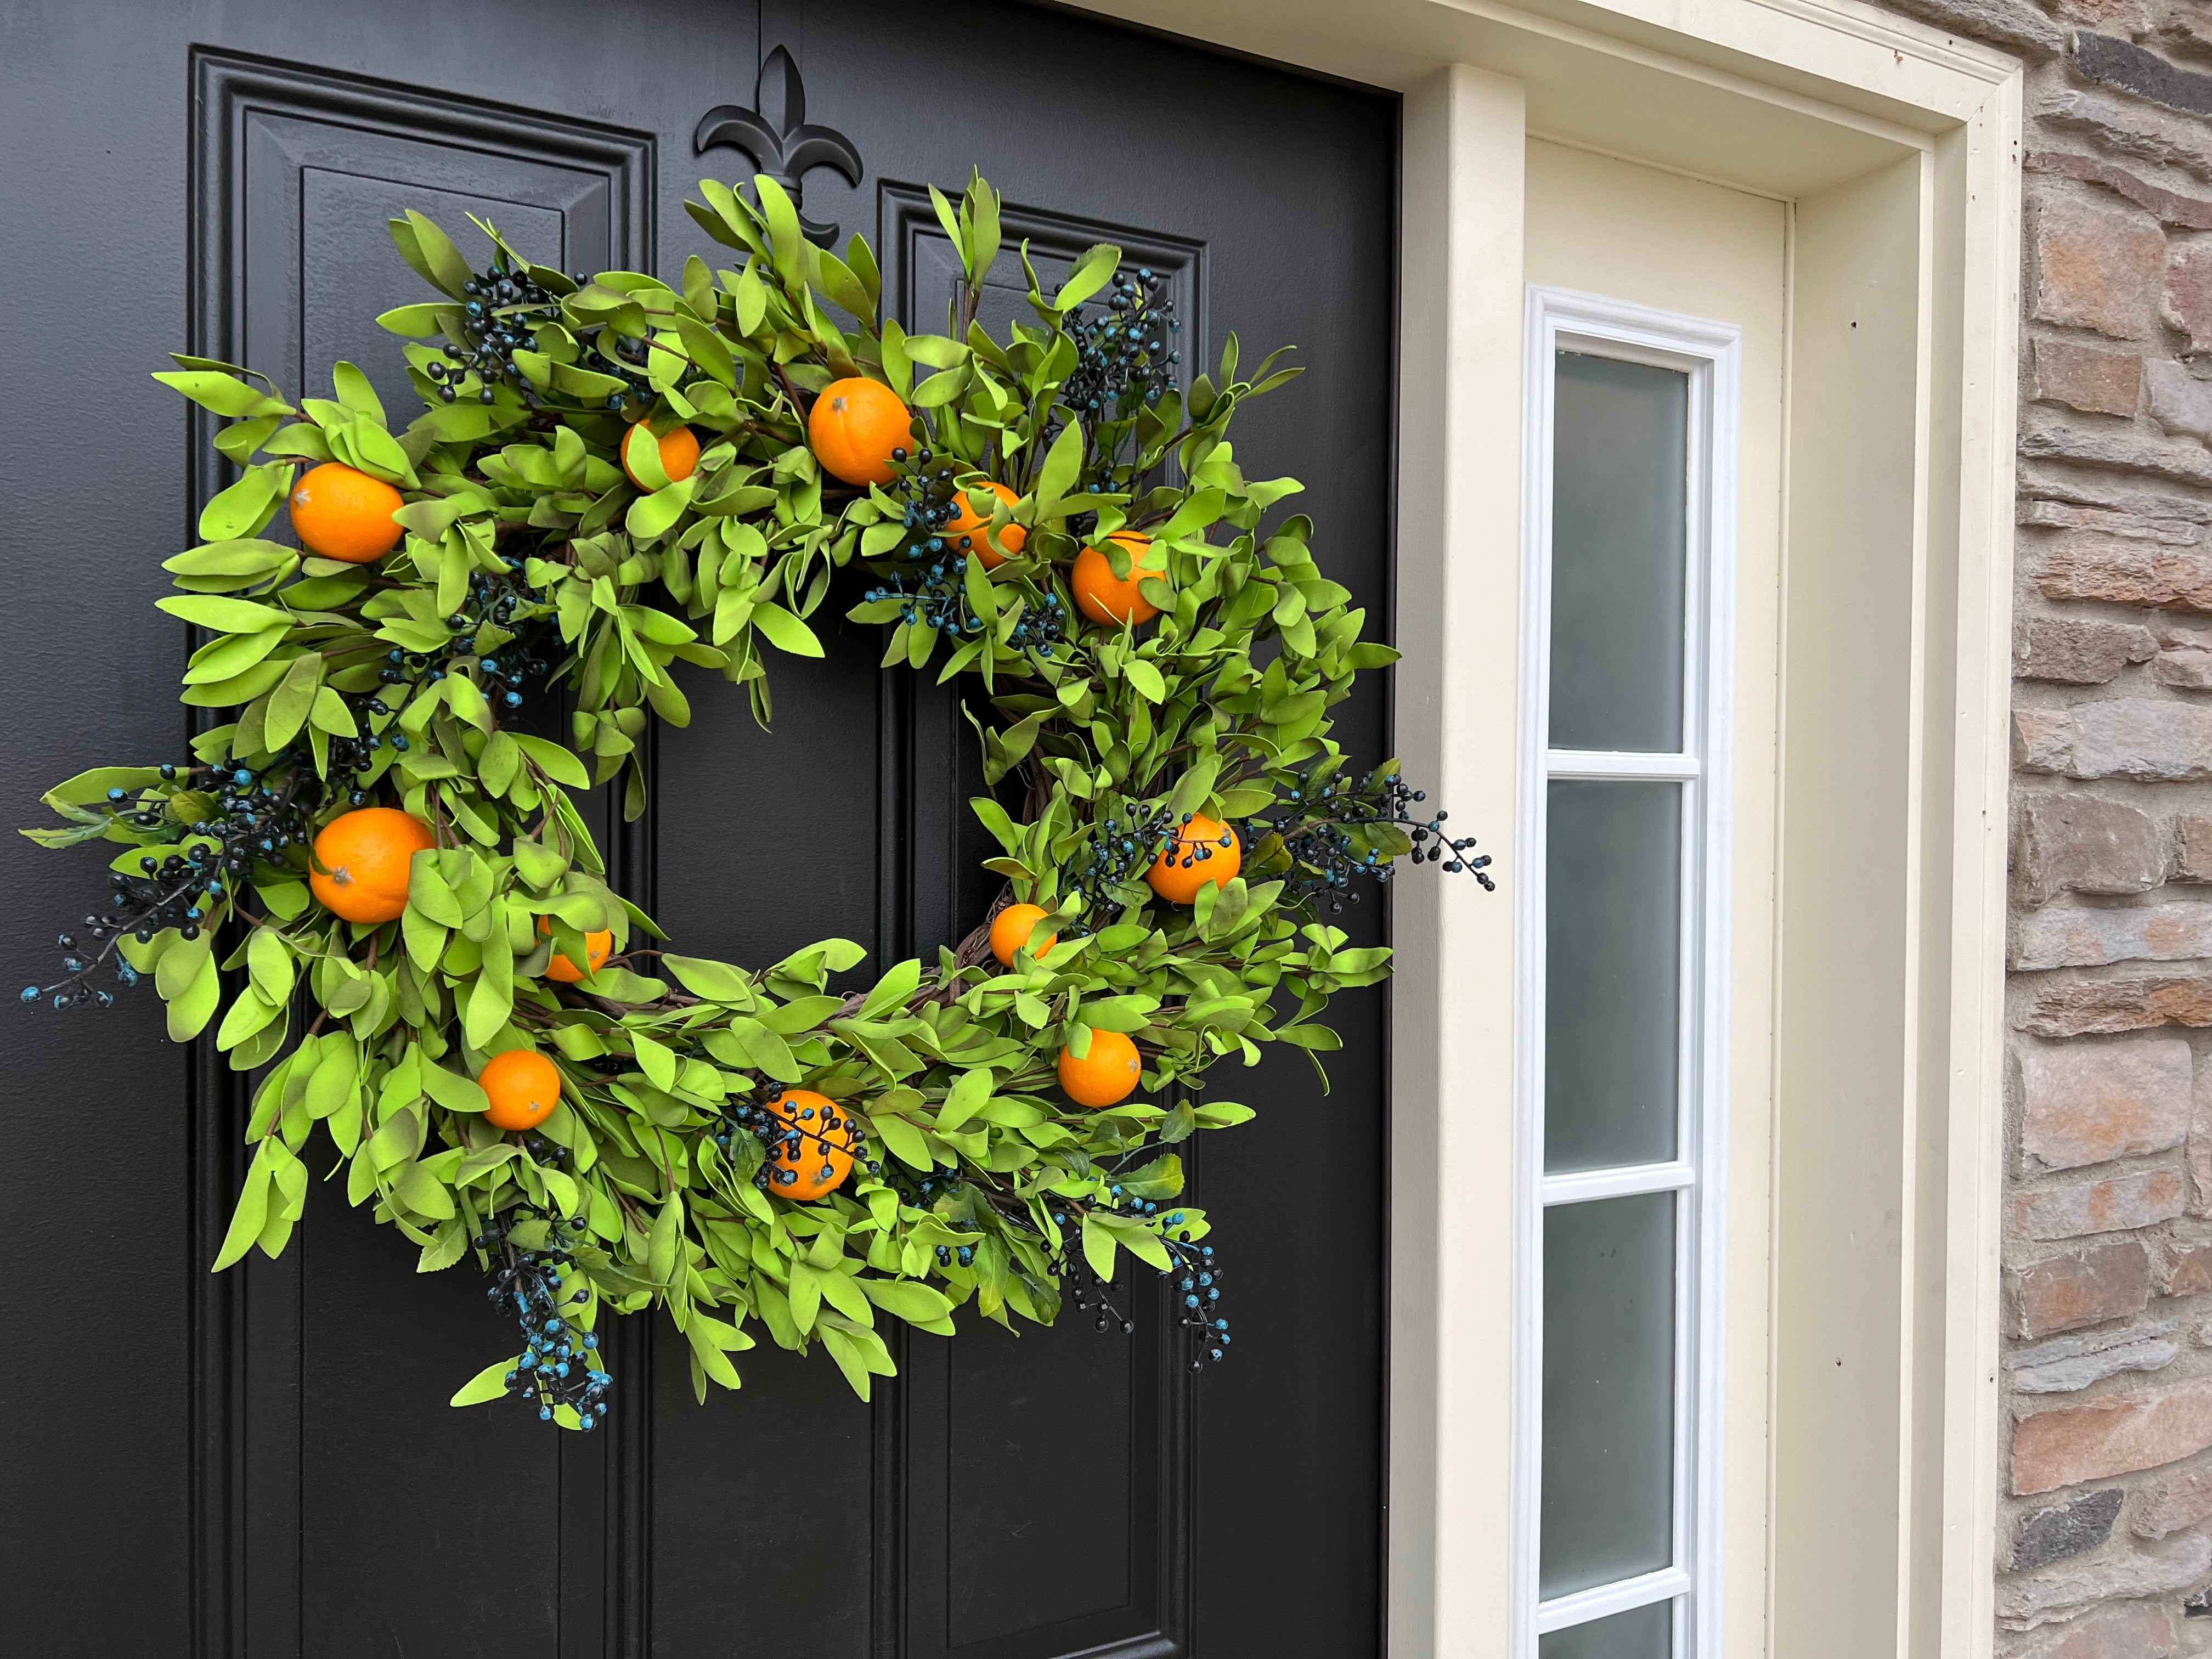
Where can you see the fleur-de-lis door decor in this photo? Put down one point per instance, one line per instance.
(774, 133)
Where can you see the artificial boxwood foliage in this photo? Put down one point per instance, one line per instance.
(547, 551)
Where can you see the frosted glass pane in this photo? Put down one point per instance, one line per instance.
(1612, 967)
(1608, 1391)
(1620, 494)
(1644, 1633)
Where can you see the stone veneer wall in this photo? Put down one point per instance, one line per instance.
(2105, 1550)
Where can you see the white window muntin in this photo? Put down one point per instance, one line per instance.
(1708, 354)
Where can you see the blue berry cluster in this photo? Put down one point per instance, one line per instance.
(931, 587)
(559, 1364)
(937, 599)
(1197, 1301)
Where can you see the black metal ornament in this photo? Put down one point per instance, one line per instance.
(776, 134)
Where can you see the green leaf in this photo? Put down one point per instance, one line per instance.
(844, 288)
(246, 1220)
(423, 1192)
(783, 231)
(247, 505)
(87, 787)
(238, 558)
(225, 616)
(806, 1296)
(330, 714)
(641, 455)
(784, 631)
(355, 392)
(969, 1093)
(489, 1384)
(661, 1247)
(851, 1357)
(428, 891)
(993, 817)
(416, 321)
(717, 981)
(380, 454)
(269, 961)
(432, 252)
(224, 394)
(1063, 464)
(904, 1141)
(452, 1091)
(556, 762)
(190, 1013)
(940, 389)
(655, 1060)
(492, 1003)
(917, 1304)
(1091, 273)
(1098, 1249)
(249, 1015)
(497, 765)
(293, 699)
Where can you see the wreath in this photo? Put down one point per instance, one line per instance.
(612, 476)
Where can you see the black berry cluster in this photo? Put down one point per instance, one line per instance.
(787, 1144)
(1125, 356)
(1327, 829)
(248, 818)
(496, 639)
(1120, 851)
(1195, 1280)
(504, 305)
(559, 1364)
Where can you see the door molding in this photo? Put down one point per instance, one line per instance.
(259, 123)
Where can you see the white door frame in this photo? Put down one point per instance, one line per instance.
(1897, 147)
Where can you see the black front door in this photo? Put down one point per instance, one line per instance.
(263, 1463)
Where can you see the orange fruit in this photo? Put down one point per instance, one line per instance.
(1202, 851)
(680, 455)
(563, 968)
(341, 513)
(1105, 1076)
(366, 854)
(819, 1156)
(1105, 598)
(976, 528)
(1010, 931)
(525, 1087)
(853, 427)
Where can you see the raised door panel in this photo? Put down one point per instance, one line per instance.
(325, 1372)
(1049, 1477)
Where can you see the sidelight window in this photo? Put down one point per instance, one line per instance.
(1630, 449)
